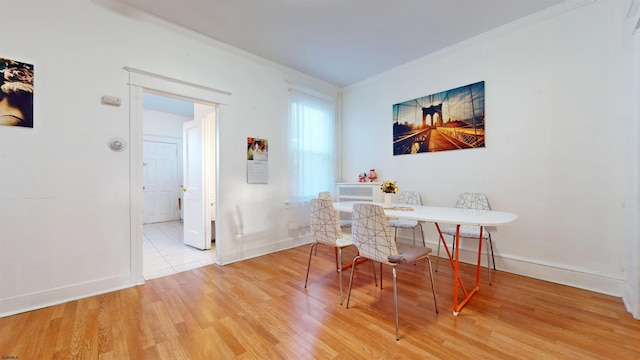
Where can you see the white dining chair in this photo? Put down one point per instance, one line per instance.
(326, 230)
(327, 195)
(408, 198)
(371, 234)
(477, 201)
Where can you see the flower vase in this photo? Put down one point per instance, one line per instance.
(387, 200)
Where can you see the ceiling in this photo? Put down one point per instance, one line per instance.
(341, 41)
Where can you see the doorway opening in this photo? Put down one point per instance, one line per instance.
(141, 82)
(177, 147)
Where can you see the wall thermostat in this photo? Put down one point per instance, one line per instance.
(117, 144)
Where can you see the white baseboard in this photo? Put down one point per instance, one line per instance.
(561, 275)
(252, 252)
(41, 299)
(631, 302)
(556, 273)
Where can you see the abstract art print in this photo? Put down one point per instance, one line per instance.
(448, 120)
(16, 93)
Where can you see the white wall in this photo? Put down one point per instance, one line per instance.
(159, 123)
(64, 195)
(632, 248)
(556, 141)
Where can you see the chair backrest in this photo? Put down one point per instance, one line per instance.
(409, 197)
(325, 195)
(324, 222)
(371, 233)
(476, 201)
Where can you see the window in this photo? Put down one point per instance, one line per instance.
(312, 139)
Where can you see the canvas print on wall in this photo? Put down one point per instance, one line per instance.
(448, 120)
(16, 93)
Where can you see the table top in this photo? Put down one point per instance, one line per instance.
(436, 214)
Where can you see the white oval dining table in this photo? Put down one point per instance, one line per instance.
(448, 215)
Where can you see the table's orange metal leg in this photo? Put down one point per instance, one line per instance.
(479, 257)
(458, 306)
(446, 248)
(455, 261)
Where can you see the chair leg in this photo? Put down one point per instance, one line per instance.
(414, 236)
(491, 247)
(493, 260)
(353, 269)
(438, 256)
(453, 248)
(395, 300)
(488, 262)
(375, 278)
(314, 245)
(424, 244)
(380, 276)
(433, 286)
(340, 271)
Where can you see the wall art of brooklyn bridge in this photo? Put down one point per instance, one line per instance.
(448, 120)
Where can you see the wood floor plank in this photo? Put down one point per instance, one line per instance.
(172, 349)
(259, 308)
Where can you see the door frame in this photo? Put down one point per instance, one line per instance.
(141, 81)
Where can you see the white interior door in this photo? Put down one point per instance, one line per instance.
(160, 172)
(197, 213)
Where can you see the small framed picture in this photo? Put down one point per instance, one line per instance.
(257, 161)
(16, 93)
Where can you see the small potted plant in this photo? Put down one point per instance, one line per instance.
(388, 188)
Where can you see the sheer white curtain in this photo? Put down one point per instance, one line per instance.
(312, 145)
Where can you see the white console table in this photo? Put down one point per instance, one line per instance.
(358, 191)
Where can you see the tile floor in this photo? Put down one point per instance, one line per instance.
(164, 252)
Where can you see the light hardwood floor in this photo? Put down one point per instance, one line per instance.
(259, 309)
